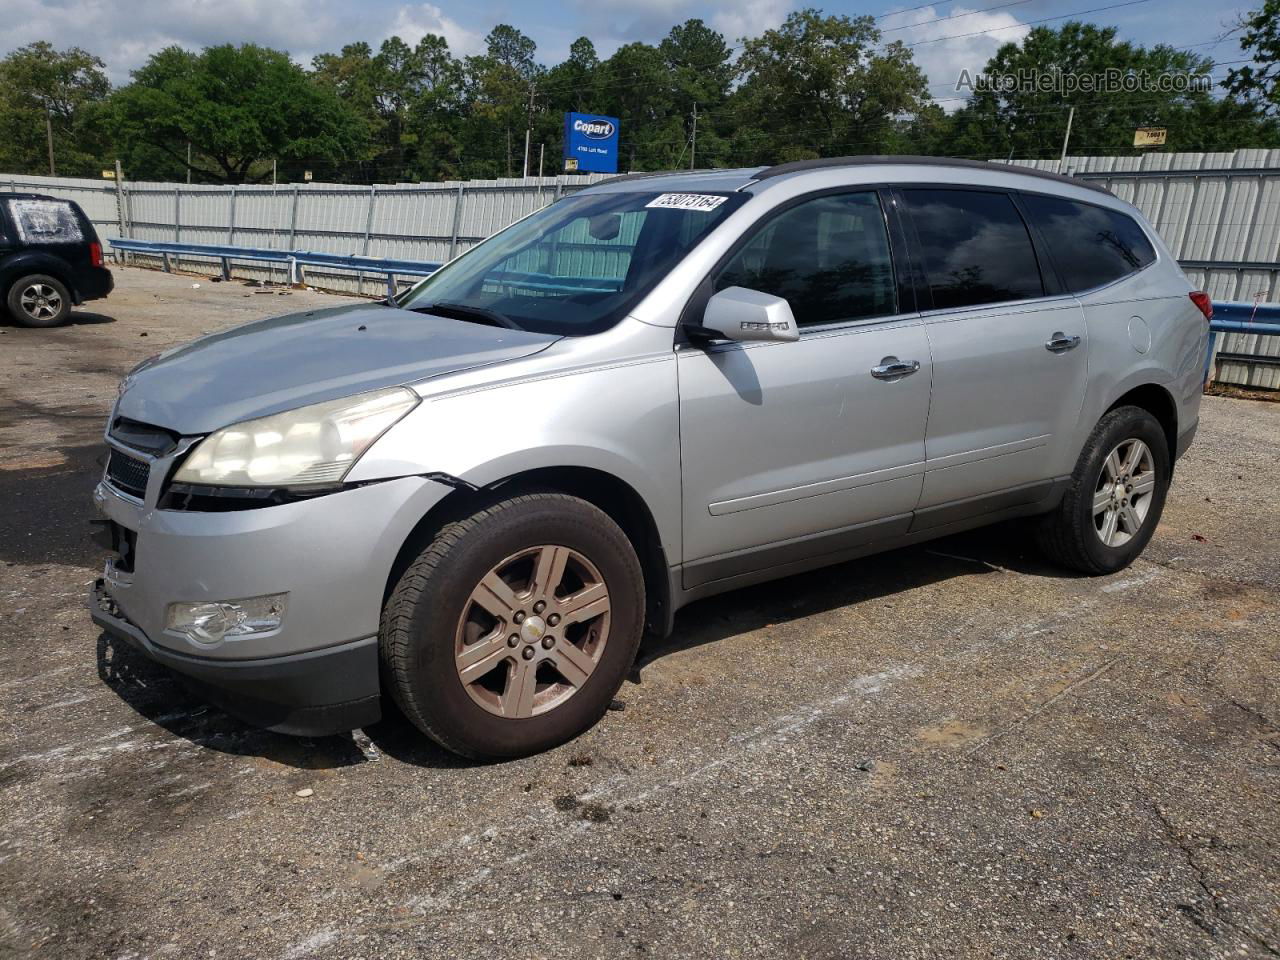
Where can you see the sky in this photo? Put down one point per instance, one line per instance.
(125, 32)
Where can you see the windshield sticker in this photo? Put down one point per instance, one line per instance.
(687, 201)
(44, 221)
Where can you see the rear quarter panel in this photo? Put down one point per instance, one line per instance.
(1144, 329)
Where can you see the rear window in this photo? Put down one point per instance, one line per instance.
(45, 221)
(1091, 246)
(975, 247)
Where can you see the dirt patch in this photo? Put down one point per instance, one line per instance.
(953, 733)
(1242, 393)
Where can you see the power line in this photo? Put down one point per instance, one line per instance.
(1027, 23)
(954, 16)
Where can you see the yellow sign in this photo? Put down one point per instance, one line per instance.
(108, 174)
(306, 175)
(570, 164)
(1150, 136)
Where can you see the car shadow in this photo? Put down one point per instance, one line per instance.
(159, 695)
(1005, 546)
(88, 318)
(77, 318)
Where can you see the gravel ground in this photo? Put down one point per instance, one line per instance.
(952, 750)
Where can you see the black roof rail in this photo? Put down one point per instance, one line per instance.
(799, 166)
(24, 195)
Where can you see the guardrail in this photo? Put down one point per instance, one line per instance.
(296, 260)
(1236, 317)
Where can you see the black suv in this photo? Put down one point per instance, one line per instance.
(50, 259)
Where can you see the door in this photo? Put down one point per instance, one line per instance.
(1010, 358)
(795, 450)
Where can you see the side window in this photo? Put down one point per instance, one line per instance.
(1090, 245)
(974, 246)
(828, 257)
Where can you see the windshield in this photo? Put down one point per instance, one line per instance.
(576, 267)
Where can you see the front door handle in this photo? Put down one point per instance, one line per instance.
(891, 368)
(1061, 343)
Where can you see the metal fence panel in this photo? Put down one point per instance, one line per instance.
(1219, 213)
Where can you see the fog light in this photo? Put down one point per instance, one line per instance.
(212, 621)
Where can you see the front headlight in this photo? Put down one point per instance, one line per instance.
(311, 446)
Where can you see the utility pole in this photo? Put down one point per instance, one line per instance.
(48, 129)
(188, 163)
(542, 149)
(693, 144)
(528, 130)
(1062, 161)
(273, 171)
(120, 209)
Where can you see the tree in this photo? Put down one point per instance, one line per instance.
(40, 85)
(701, 69)
(571, 86)
(636, 88)
(239, 108)
(1259, 83)
(1030, 120)
(500, 90)
(821, 86)
(401, 93)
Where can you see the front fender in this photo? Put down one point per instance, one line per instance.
(621, 419)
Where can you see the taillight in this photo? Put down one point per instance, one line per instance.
(95, 253)
(1201, 300)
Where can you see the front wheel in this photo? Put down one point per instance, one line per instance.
(1115, 497)
(515, 627)
(39, 301)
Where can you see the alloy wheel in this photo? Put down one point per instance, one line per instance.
(1123, 496)
(40, 301)
(532, 631)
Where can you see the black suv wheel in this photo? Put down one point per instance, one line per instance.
(39, 300)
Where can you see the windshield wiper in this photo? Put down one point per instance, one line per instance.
(462, 311)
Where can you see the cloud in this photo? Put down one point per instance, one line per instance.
(613, 23)
(412, 23)
(125, 32)
(943, 60)
(750, 18)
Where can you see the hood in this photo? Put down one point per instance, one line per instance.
(273, 365)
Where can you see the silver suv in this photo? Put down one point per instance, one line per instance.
(477, 498)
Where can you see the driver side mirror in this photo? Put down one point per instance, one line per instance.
(746, 316)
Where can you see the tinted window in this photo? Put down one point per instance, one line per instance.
(828, 257)
(975, 247)
(1090, 245)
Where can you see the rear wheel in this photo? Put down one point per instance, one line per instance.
(39, 301)
(512, 631)
(1116, 495)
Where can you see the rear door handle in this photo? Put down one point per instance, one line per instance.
(1061, 343)
(891, 368)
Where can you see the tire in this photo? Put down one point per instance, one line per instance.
(1073, 534)
(440, 617)
(39, 300)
